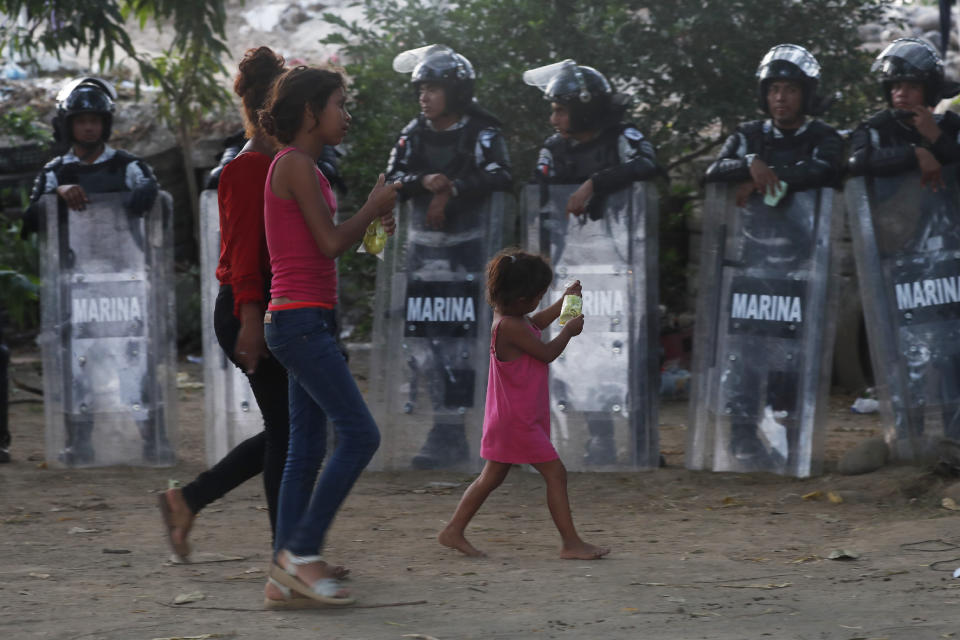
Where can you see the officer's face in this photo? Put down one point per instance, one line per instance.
(87, 128)
(785, 102)
(334, 121)
(560, 118)
(906, 95)
(433, 100)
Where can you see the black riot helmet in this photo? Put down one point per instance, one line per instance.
(84, 95)
(913, 60)
(583, 90)
(789, 62)
(439, 64)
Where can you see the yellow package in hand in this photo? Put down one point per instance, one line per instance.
(572, 307)
(374, 238)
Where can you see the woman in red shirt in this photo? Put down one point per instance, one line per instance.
(244, 275)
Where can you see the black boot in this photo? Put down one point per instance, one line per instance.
(156, 447)
(78, 451)
(446, 446)
(601, 447)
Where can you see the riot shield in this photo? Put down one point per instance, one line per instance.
(230, 409)
(431, 334)
(108, 333)
(763, 343)
(906, 240)
(603, 388)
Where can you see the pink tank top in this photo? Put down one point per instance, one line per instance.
(300, 270)
(516, 420)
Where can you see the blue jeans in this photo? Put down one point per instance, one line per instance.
(320, 386)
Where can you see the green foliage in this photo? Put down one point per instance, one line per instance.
(22, 124)
(688, 64)
(19, 282)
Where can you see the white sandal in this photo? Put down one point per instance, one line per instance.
(323, 590)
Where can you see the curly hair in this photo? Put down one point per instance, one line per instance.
(257, 72)
(295, 89)
(514, 274)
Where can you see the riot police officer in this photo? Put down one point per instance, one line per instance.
(908, 135)
(83, 122)
(789, 151)
(790, 145)
(454, 153)
(916, 239)
(593, 147)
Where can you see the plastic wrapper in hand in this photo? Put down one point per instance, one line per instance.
(374, 239)
(572, 307)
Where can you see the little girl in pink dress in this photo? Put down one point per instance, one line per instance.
(516, 422)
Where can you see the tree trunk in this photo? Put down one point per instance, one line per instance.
(186, 148)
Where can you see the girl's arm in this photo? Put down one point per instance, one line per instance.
(514, 338)
(544, 317)
(295, 176)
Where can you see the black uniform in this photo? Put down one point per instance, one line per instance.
(473, 155)
(804, 158)
(885, 145)
(617, 156)
(809, 157)
(114, 171)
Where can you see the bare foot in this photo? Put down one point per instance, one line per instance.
(459, 542)
(583, 551)
(178, 519)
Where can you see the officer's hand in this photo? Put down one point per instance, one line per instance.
(574, 289)
(764, 179)
(925, 122)
(250, 348)
(437, 183)
(743, 193)
(577, 203)
(74, 195)
(383, 196)
(574, 326)
(929, 169)
(436, 211)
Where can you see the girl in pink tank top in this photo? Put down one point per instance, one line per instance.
(516, 422)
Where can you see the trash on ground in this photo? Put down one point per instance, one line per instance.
(865, 405)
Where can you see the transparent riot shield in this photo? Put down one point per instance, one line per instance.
(431, 334)
(763, 343)
(230, 409)
(603, 388)
(108, 333)
(906, 240)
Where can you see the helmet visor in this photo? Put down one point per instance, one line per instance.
(541, 76)
(407, 61)
(89, 80)
(794, 54)
(915, 52)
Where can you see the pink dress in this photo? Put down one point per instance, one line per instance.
(516, 420)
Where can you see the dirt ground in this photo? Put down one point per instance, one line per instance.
(695, 555)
